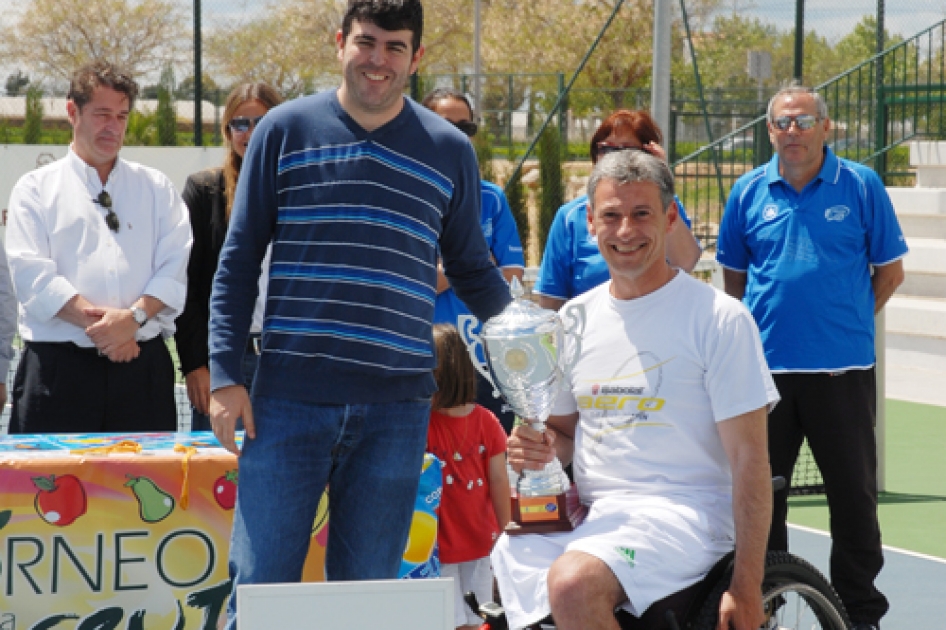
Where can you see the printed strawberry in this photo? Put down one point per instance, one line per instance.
(60, 500)
(225, 489)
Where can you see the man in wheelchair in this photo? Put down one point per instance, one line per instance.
(663, 417)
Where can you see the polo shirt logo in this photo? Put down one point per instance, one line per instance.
(837, 213)
(770, 212)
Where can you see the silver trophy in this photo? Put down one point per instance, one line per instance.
(524, 347)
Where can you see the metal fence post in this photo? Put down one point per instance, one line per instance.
(198, 79)
(563, 117)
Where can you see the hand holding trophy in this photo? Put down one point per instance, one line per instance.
(524, 348)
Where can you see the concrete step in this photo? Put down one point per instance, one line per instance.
(922, 225)
(918, 200)
(923, 284)
(915, 350)
(918, 352)
(920, 316)
(926, 255)
(920, 385)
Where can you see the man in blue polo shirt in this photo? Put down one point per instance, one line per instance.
(798, 243)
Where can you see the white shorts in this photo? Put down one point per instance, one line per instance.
(475, 576)
(653, 546)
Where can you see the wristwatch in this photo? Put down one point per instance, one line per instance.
(140, 315)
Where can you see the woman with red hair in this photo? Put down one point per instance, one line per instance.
(571, 262)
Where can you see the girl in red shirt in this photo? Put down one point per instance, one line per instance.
(475, 506)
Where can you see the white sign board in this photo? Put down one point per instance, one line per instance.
(759, 66)
(391, 605)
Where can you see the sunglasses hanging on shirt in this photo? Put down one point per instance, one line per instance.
(111, 219)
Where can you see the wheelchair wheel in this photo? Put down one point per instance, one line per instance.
(794, 593)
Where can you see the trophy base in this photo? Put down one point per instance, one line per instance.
(545, 514)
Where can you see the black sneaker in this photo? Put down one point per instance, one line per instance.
(863, 625)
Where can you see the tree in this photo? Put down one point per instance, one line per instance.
(722, 52)
(552, 191)
(15, 83)
(861, 43)
(448, 36)
(33, 117)
(209, 87)
(483, 145)
(57, 36)
(292, 47)
(616, 66)
(165, 115)
(141, 129)
(552, 36)
(515, 195)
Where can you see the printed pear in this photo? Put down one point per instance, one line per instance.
(154, 504)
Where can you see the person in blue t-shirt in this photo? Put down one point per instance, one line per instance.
(571, 262)
(499, 229)
(798, 242)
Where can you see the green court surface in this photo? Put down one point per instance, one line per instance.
(913, 507)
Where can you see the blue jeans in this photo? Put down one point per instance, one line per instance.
(369, 455)
(201, 421)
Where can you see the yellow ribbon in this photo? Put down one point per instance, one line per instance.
(185, 466)
(125, 446)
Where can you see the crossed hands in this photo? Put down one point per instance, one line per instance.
(112, 330)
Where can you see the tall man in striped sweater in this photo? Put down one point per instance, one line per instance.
(357, 189)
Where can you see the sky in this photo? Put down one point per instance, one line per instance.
(835, 18)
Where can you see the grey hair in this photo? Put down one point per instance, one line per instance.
(629, 166)
(793, 89)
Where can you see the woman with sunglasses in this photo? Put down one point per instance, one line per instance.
(209, 198)
(499, 229)
(571, 262)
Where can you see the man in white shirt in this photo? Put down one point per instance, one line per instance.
(667, 453)
(98, 251)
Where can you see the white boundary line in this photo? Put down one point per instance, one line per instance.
(905, 552)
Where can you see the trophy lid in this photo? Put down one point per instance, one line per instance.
(520, 316)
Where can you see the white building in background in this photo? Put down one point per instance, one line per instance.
(13, 109)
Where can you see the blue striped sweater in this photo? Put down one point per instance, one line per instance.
(356, 220)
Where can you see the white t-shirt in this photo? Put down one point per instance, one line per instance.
(655, 375)
(259, 310)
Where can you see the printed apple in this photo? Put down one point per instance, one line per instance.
(60, 500)
(225, 489)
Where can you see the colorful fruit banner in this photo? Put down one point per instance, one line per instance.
(132, 531)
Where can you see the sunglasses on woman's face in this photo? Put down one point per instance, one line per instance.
(242, 124)
(111, 219)
(606, 147)
(466, 126)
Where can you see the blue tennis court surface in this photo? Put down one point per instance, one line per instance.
(914, 584)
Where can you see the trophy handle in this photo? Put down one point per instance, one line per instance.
(574, 319)
(466, 325)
